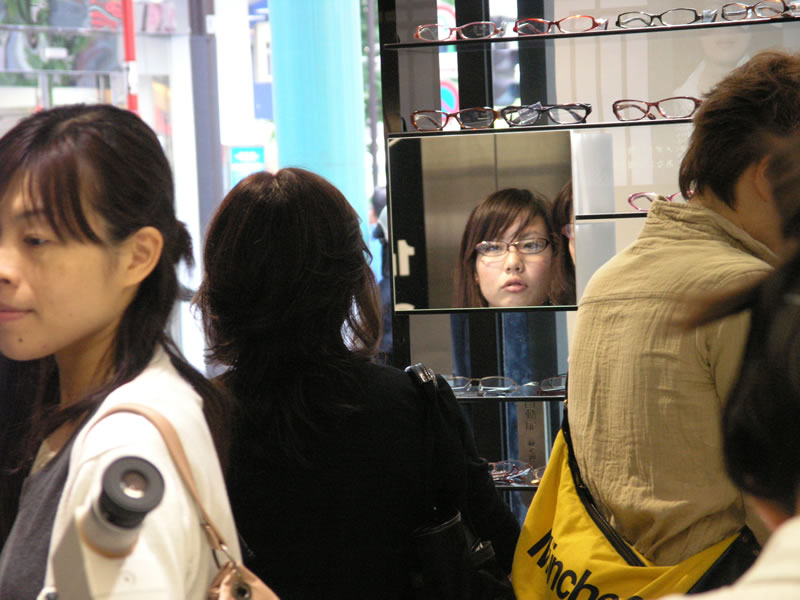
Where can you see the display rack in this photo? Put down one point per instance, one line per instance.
(410, 81)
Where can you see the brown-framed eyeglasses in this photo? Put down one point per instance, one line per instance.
(676, 107)
(641, 201)
(468, 118)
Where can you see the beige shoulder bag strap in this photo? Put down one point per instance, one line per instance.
(234, 580)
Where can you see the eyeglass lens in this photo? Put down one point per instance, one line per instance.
(736, 11)
(675, 16)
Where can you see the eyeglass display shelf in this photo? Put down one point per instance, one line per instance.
(553, 127)
(478, 309)
(615, 31)
(484, 399)
(505, 487)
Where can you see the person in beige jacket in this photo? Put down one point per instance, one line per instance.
(644, 397)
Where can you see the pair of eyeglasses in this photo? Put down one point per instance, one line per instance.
(523, 116)
(568, 231)
(496, 385)
(515, 472)
(516, 116)
(468, 118)
(676, 107)
(479, 30)
(675, 16)
(573, 24)
(642, 201)
(528, 246)
(766, 9)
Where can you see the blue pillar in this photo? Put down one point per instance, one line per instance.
(318, 92)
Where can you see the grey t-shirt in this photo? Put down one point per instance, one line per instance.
(23, 562)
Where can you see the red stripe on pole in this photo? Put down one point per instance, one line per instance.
(129, 32)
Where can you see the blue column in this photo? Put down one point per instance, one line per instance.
(318, 92)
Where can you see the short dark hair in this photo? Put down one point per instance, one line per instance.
(493, 215)
(287, 296)
(738, 120)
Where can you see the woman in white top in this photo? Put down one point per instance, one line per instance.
(89, 244)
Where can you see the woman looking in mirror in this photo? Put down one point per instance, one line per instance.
(506, 252)
(562, 283)
(328, 446)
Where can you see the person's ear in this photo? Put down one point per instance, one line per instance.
(761, 180)
(772, 514)
(141, 253)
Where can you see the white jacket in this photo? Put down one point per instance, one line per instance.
(172, 558)
(774, 576)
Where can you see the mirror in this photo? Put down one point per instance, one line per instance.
(437, 181)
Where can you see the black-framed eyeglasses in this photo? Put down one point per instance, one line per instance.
(676, 107)
(479, 30)
(766, 9)
(468, 118)
(572, 24)
(675, 16)
(522, 116)
(496, 249)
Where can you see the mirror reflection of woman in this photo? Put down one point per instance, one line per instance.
(506, 252)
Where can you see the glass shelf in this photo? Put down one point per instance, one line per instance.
(530, 40)
(485, 399)
(555, 127)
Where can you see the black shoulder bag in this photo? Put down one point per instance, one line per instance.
(451, 561)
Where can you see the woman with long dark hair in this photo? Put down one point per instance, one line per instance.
(328, 450)
(89, 245)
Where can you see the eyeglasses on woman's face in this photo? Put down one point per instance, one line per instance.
(479, 30)
(676, 107)
(522, 116)
(495, 249)
(675, 16)
(572, 24)
(469, 118)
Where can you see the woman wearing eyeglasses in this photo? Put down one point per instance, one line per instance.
(328, 450)
(506, 253)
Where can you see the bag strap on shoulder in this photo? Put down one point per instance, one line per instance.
(176, 451)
